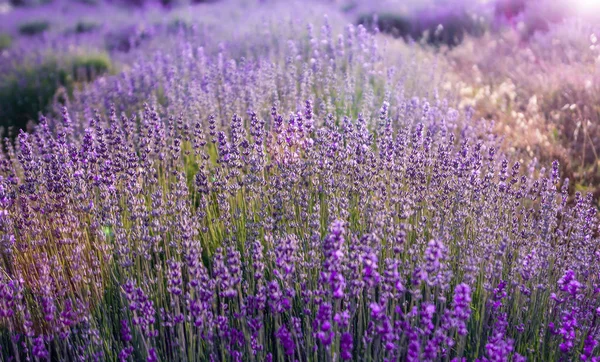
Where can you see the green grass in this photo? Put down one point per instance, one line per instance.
(5, 41)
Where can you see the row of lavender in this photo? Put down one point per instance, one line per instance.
(179, 212)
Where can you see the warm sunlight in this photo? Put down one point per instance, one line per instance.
(586, 6)
(299, 180)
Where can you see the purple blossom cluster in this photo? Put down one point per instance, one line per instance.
(291, 205)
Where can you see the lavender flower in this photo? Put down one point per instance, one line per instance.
(286, 340)
(461, 304)
(333, 251)
(287, 195)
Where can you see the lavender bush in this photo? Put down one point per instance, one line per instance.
(291, 198)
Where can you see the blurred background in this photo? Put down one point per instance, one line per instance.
(530, 66)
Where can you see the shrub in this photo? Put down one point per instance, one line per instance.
(88, 67)
(128, 38)
(509, 9)
(452, 28)
(28, 90)
(28, 2)
(349, 6)
(173, 3)
(179, 25)
(85, 27)
(34, 27)
(444, 28)
(89, 2)
(396, 25)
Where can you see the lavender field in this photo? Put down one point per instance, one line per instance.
(245, 180)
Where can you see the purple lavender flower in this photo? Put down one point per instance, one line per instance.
(588, 349)
(152, 356)
(333, 251)
(125, 332)
(568, 283)
(499, 348)
(174, 277)
(351, 201)
(285, 254)
(322, 325)
(427, 313)
(568, 330)
(461, 305)
(285, 338)
(39, 348)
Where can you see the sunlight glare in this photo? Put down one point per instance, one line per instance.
(587, 5)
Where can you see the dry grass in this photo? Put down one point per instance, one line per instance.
(541, 92)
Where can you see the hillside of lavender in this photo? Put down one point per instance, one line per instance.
(273, 180)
